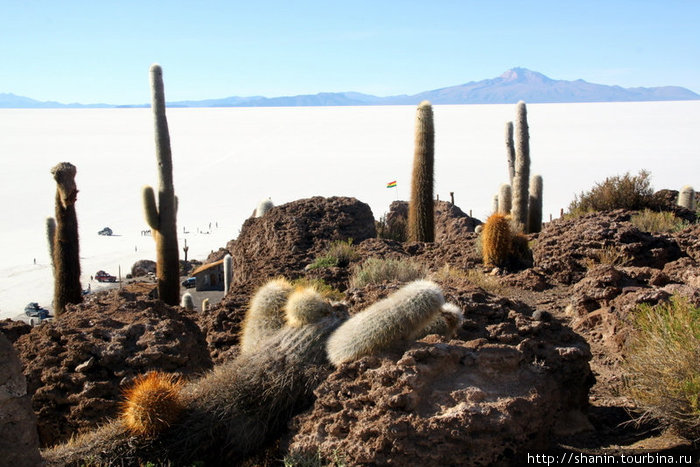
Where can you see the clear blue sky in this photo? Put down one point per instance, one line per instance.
(100, 50)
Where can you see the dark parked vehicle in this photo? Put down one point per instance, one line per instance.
(102, 276)
(189, 282)
(36, 313)
(106, 231)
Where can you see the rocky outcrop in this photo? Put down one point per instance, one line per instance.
(78, 365)
(143, 267)
(506, 384)
(567, 248)
(19, 440)
(288, 237)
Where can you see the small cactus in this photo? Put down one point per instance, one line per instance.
(521, 178)
(387, 321)
(263, 207)
(187, 302)
(534, 208)
(228, 272)
(686, 197)
(306, 306)
(421, 215)
(205, 305)
(496, 239)
(265, 314)
(494, 204)
(505, 197)
(162, 217)
(66, 248)
(152, 403)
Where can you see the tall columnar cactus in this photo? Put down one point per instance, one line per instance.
(496, 240)
(265, 314)
(505, 197)
(66, 248)
(387, 321)
(686, 197)
(421, 215)
(228, 272)
(534, 209)
(521, 178)
(162, 218)
(495, 203)
(510, 151)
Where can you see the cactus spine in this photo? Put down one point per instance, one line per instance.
(534, 207)
(510, 151)
(686, 197)
(265, 314)
(521, 177)
(306, 306)
(228, 272)
(496, 240)
(385, 322)
(505, 197)
(162, 218)
(66, 248)
(421, 216)
(187, 302)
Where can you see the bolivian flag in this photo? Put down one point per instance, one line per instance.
(391, 184)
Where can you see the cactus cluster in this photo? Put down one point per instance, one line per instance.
(421, 215)
(64, 245)
(162, 217)
(522, 199)
(501, 246)
(287, 341)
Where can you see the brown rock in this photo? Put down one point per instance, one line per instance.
(19, 440)
(78, 365)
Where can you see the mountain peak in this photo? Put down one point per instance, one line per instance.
(523, 75)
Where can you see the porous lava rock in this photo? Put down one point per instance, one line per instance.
(143, 267)
(504, 386)
(290, 236)
(77, 366)
(451, 223)
(19, 439)
(14, 329)
(689, 241)
(566, 248)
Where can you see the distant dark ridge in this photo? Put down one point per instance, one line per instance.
(512, 86)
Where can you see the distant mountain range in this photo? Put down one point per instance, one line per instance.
(512, 86)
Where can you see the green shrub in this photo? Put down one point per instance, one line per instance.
(658, 222)
(626, 192)
(663, 364)
(376, 271)
(326, 290)
(338, 253)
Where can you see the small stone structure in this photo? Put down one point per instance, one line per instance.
(209, 276)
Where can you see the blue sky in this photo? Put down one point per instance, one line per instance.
(100, 50)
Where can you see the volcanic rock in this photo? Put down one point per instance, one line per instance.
(78, 365)
(19, 440)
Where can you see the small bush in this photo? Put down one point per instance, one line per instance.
(609, 255)
(663, 364)
(626, 192)
(338, 253)
(658, 222)
(376, 271)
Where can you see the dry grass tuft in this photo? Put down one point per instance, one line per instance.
(609, 255)
(339, 253)
(663, 364)
(658, 222)
(376, 271)
(152, 403)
